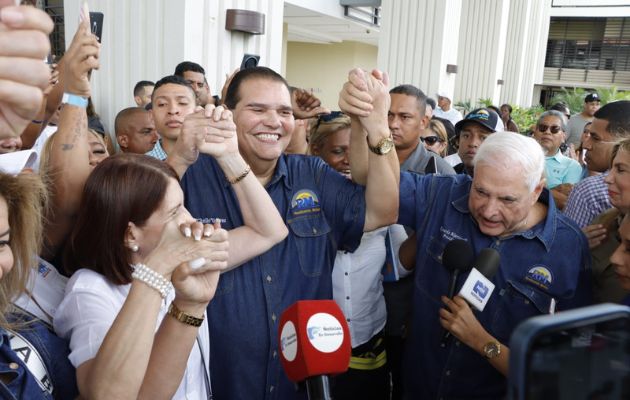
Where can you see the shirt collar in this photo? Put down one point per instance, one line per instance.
(558, 156)
(281, 173)
(543, 231)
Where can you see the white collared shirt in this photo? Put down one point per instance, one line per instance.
(358, 285)
(88, 310)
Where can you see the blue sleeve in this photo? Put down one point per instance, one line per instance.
(414, 198)
(343, 203)
(583, 295)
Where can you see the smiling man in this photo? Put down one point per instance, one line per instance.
(323, 210)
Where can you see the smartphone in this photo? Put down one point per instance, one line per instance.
(250, 61)
(96, 24)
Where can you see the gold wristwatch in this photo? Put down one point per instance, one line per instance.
(492, 349)
(182, 317)
(383, 147)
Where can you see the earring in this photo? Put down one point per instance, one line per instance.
(134, 248)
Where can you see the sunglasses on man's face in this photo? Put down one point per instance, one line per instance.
(552, 128)
(430, 140)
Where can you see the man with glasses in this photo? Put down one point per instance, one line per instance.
(550, 133)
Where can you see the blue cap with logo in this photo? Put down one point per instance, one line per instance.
(483, 116)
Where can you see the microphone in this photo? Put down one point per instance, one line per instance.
(457, 257)
(314, 342)
(478, 286)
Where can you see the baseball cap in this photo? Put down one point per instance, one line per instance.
(444, 93)
(591, 97)
(482, 116)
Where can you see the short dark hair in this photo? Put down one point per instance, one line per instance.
(174, 79)
(617, 114)
(188, 66)
(232, 96)
(411, 90)
(122, 188)
(431, 103)
(563, 108)
(123, 115)
(140, 86)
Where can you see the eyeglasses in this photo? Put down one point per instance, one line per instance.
(552, 128)
(430, 140)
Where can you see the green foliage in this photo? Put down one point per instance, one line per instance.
(464, 106)
(574, 98)
(525, 117)
(484, 102)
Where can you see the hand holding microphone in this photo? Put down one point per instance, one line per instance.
(478, 286)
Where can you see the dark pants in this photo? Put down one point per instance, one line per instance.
(368, 377)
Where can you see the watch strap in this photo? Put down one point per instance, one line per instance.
(182, 317)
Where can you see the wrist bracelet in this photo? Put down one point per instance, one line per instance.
(182, 317)
(241, 176)
(74, 100)
(152, 279)
(36, 121)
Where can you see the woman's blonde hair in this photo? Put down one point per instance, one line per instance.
(26, 199)
(325, 126)
(438, 128)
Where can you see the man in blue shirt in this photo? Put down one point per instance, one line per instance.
(505, 207)
(550, 133)
(324, 211)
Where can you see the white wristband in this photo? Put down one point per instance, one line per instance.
(151, 278)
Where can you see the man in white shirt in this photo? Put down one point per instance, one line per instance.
(444, 108)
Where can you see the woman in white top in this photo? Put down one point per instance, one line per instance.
(130, 335)
(357, 278)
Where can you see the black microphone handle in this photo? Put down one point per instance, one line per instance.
(451, 287)
(318, 388)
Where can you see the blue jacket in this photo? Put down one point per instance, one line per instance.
(48, 353)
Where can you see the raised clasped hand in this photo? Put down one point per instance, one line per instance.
(23, 76)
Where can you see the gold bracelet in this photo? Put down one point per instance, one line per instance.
(182, 317)
(242, 176)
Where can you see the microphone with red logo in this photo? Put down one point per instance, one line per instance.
(314, 342)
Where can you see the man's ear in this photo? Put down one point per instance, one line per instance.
(425, 121)
(138, 100)
(123, 141)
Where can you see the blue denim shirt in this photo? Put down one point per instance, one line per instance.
(551, 260)
(54, 354)
(324, 212)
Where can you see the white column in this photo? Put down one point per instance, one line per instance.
(481, 49)
(528, 29)
(417, 40)
(146, 39)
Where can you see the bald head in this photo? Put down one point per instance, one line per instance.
(135, 130)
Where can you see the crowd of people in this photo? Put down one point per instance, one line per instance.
(156, 262)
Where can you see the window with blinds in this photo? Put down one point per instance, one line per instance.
(589, 44)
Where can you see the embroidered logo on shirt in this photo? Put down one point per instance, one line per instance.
(449, 235)
(212, 220)
(305, 202)
(43, 270)
(539, 276)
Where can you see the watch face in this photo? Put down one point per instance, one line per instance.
(387, 146)
(491, 349)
